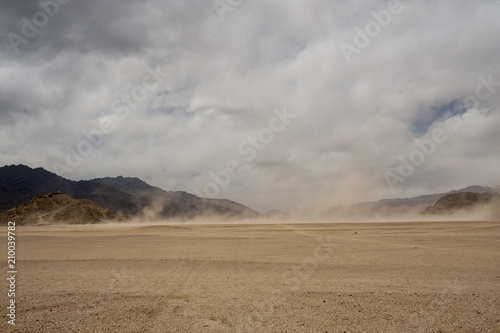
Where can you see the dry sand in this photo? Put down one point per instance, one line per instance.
(367, 277)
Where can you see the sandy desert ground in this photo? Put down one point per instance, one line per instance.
(365, 277)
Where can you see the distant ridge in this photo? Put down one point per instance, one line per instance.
(123, 195)
(277, 214)
(431, 198)
(399, 207)
(462, 201)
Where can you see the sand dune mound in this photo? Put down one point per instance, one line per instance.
(463, 201)
(58, 208)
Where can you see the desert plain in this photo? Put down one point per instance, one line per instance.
(280, 277)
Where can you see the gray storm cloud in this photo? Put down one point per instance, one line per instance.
(76, 98)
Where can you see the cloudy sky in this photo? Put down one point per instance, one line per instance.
(274, 104)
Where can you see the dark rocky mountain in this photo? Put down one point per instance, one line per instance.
(58, 208)
(176, 203)
(462, 202)
(123, 195)
(127, 184)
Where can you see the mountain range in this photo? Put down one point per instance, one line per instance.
(123, 195)
(391, 208)
(132, 197)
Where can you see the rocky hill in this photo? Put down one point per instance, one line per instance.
(463, 202)
(58, 208)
